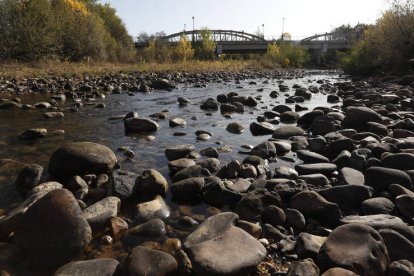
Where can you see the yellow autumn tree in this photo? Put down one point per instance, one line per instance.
(62, 29)
(183, 51)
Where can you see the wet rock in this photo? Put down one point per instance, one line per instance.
(313, 205)
(162, 84)
(154, 228)
(95, 267)
(356, 247)
(289, 117)
(264, 150)
(285, 172)
(210, 104)
(261, 128)
(179, 164)
(53, 230)
(156, 208)
(211, 164)
(34, 133)
(151, 182)
(178, 151)
(175, 122)
(53, 115)
(99, 214)
(123, 184)
(381, 178)
(81, 158)
(144, 261)
(188, 190)
(193, 171)
(235, 128)
(28, 178)
(285, 132)
(210, 152)
(9, 105)
(229, 170)
(140, 125)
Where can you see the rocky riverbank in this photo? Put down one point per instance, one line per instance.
(326, 189)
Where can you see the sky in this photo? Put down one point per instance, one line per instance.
(303, 18)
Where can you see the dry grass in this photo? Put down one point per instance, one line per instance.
(70, 69)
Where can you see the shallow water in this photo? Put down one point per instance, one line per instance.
(93, 124)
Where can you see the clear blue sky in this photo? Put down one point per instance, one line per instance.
(302, 17)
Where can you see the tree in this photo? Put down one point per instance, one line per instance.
(388, 45)
(183, 50)
(207, 48)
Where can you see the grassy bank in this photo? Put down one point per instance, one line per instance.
(73, 69)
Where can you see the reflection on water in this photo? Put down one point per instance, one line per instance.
(93, 124)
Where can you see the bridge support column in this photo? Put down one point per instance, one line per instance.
(318, 55)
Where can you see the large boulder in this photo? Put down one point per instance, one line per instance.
(54, 230)
(355, 247)
(241, 250)
(357, 117)
(81, 158)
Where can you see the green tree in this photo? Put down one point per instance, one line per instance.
(207, 48)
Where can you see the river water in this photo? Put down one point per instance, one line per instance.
(94, 124)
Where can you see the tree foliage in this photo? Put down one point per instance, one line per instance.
(62, 29)
(285, 55)
(207, 48)
(183, 51)
(388, 45)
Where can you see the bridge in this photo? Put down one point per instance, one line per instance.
(236, 42)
